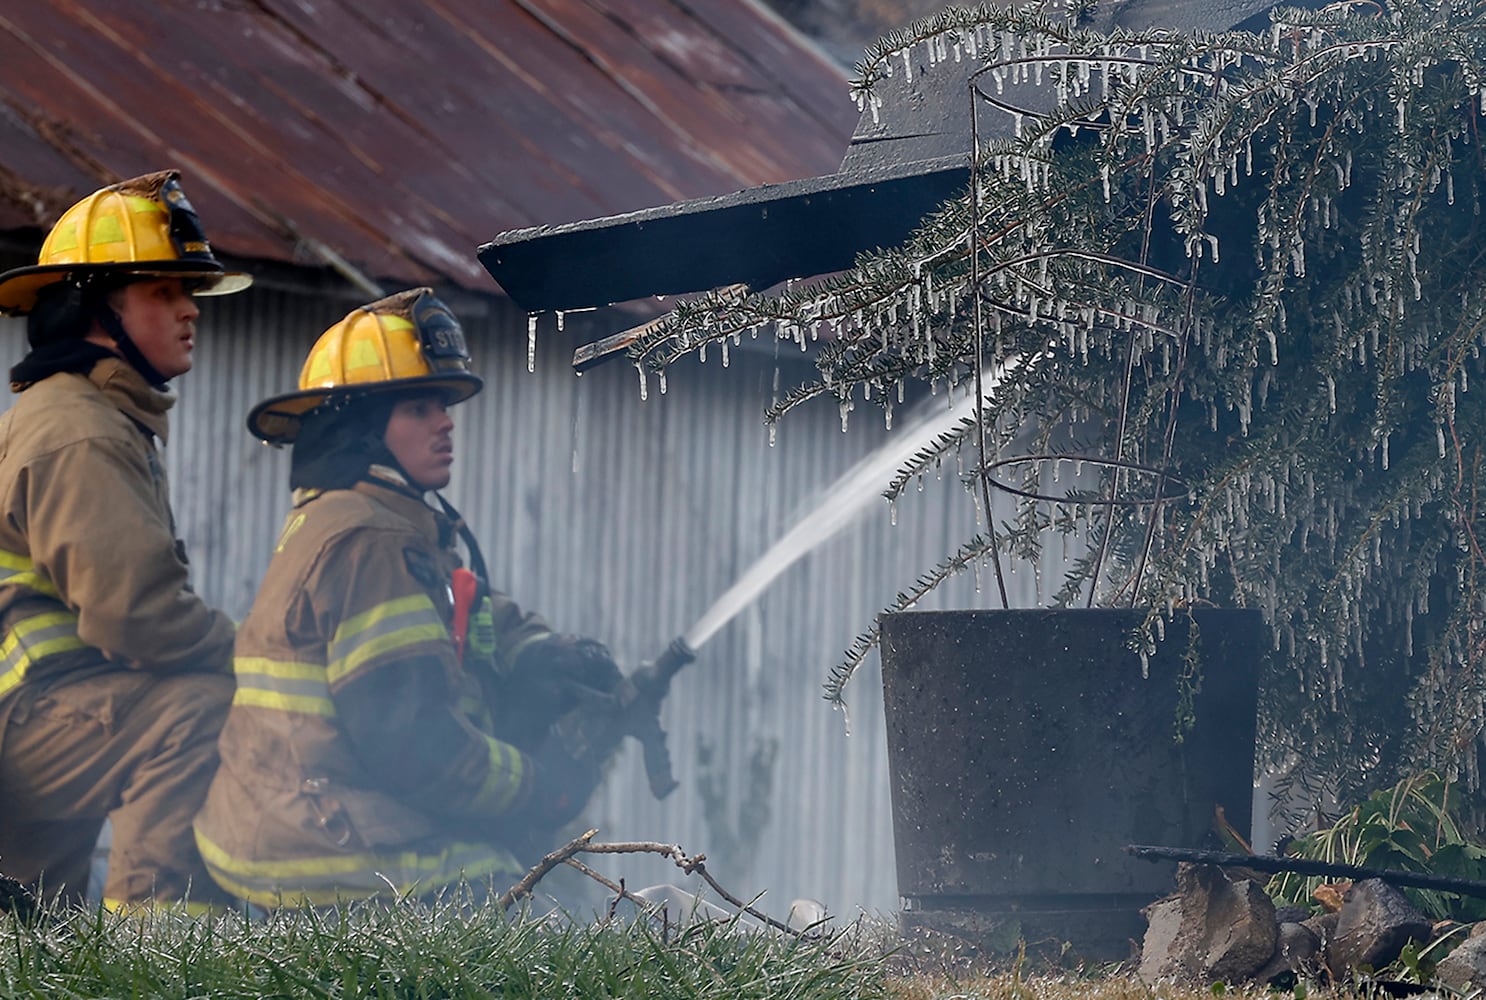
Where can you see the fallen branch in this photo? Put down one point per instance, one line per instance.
(548, 862)
(690, 864)
(617, 888)
(1305, 866)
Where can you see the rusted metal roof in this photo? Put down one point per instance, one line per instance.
(903, 162)
(400, 135)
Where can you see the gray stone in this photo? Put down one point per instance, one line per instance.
(1323, 925)
(1163, 924)
(1291, 914)
(1212, 929)
(1376, 921)
(16, 898)
(1297, 949)
(1464, 966)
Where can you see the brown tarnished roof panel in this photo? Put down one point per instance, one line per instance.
(401, 135)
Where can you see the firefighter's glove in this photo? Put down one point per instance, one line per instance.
(561, 785)
(555, 675)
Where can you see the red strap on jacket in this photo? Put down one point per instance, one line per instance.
(466, 588)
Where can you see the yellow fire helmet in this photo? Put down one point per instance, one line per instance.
(141, 227)
(406, 341)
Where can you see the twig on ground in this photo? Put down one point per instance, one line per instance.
(548, 862)
(613, 903)
(690, 864)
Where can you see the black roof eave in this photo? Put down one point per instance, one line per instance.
(757, 237)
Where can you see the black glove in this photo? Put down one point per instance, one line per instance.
(567, 666)
(561, 786)
(549, 679)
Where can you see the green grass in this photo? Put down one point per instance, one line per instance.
(415, 950)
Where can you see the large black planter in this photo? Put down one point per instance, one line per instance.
(1026, 749)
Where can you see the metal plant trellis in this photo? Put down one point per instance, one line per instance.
(987, 467)
(667, 341)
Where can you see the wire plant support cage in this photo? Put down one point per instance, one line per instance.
(1113, 498)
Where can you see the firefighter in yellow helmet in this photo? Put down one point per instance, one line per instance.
(360, 756)
(114, 676)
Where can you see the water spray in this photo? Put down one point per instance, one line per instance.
(647, 686)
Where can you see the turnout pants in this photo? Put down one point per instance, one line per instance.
(137, 748)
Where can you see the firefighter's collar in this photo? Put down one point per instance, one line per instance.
(394, 493)
(386, 475)
(129, 391)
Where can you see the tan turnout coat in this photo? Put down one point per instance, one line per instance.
(114, 675)
(92, 576)
(357, 756)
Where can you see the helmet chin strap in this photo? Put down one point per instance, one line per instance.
(471, 544)
(114, 327)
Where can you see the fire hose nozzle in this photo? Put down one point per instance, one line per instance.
(651, 684)
(655, 678)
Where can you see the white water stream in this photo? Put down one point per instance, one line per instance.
(844, 500)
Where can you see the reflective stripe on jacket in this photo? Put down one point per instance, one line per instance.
(92, 577)
(351, 757)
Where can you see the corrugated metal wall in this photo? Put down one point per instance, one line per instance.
(625, 519)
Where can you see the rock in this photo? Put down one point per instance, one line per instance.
(1373, 926)
(1465, 966)
(1291, 914)
(15, 898)
(1297, 949)
(1163, 925)
(1323, 925)
(1212, 929)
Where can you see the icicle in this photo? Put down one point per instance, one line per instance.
(644, 387)
(531, 343)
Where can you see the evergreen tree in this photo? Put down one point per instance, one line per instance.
(1230, 286)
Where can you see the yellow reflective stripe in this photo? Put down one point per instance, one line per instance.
(503, 779)
(33, 639)
(277, 702)
(140, 908)
(282, 685)
(17, 570)
(324, 881)
(390, 626)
